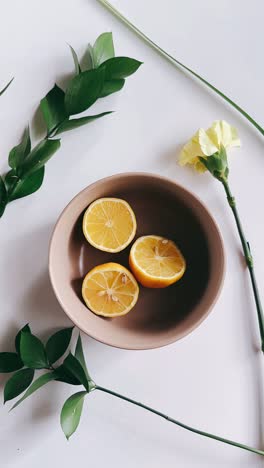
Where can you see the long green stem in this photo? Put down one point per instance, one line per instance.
(6, 86)
(176, 62)
(180, 424)
(249, 259)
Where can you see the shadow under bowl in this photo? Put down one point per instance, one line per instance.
(161, 316)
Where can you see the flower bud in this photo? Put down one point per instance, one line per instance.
(217, 164)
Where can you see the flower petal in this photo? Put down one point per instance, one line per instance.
(207, 143)
(200, 167)
(223, 134)
(190, 151)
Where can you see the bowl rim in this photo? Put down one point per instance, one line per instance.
(208, 304)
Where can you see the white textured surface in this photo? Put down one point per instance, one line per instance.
(211, 379)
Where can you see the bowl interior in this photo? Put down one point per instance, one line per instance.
(161, 315)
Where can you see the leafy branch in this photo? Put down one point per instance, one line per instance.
(58, 107)
(31, 355)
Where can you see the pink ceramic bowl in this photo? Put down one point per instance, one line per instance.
(161, 316)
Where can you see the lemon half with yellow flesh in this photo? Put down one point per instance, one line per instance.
(109, 224)
(156, 262)
(110, 290)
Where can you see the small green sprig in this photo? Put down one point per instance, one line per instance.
(106, 76)
(32, 355)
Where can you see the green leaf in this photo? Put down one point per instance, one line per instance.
(112, 86)
(2, 190)
(2, 208)
(76, 60)
(53, 108)
(20, 152)
(10, 179)
(3, 196)
(71, 413)
(38, 157)
(120, 67)
(39, 382)
(18, 383)
(103, 49)
(79, 354)
(72, 364)
(7, 86)
(32, 351)
(10, 362)
(75, 123)
(90, 54)
(28, 184)
(58, 343)
(64, 375)
(25, 329)
(84, 90)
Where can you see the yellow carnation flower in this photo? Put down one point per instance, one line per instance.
(205, 143)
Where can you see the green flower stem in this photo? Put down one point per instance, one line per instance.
(248, 257)
(6, 86)
(180, 424)
(176, 62)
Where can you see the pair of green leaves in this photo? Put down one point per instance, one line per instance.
(99, 55)
(37, 356)
(102, 50)
(102, 55)
(71, 371)
(10, 362)
(31, 355)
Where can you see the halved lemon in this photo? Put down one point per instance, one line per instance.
(156, 262)
(109, 224)
(110, 290)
